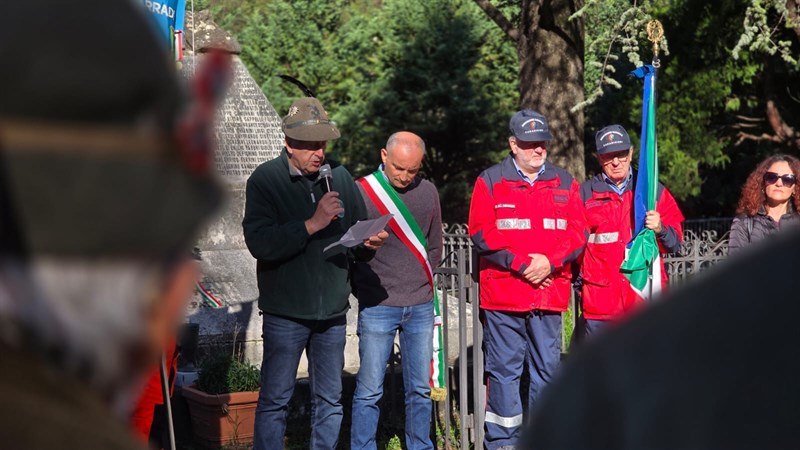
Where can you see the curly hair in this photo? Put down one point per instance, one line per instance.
(753, 196)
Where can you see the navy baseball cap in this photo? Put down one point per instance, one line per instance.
(612, 138)
(530, 126)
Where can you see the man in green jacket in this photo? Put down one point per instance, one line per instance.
(293, 211)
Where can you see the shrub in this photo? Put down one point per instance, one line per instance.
(222, 373)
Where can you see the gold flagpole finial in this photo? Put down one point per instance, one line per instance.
(655, 32)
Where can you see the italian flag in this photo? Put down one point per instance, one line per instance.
(642, 265)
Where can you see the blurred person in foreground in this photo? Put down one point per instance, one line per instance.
(292, 212)
(101, 196)
(526, 222)
(768, 203)
(395, 292)
(608, 200)
(713, 366)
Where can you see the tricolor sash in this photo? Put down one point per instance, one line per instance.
(386, 200)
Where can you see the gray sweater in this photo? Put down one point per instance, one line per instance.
(394, 277)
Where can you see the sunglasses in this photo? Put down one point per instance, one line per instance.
(772, 178)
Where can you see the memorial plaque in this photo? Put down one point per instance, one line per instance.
(248, 130)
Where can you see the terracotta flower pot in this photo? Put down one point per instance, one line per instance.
(221, 419)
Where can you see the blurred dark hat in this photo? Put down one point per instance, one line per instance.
(91, 162)
(308, 121)
(530, 126)
(612, 138)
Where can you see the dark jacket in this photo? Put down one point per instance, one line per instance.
(295, 278)
(745, 229)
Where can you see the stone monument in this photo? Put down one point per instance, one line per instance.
(248, 133)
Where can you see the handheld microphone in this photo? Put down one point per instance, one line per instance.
(326, 176)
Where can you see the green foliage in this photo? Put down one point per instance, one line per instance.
(613, 28)
(394, 443)
(762, 23)
(434, 84)
(708, 94)
(221, 373)
(705, 98)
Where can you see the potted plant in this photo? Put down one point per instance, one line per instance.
(222, 403)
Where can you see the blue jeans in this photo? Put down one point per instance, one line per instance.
(284, 342)
(511, 342)
(377, 326)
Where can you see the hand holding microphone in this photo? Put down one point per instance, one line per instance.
(329, 206)
(326, 178)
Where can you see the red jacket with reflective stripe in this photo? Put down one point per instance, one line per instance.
(609, 220)
(510, 219)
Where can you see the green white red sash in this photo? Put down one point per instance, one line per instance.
(404, 225)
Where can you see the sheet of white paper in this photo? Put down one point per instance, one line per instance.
(360, 231)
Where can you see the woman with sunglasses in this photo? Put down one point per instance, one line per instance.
(768, 202)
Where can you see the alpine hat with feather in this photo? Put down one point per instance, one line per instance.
(307, 120)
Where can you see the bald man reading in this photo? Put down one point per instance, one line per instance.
(395, 292)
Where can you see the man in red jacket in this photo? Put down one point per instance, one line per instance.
(526, 222)
(608, 203)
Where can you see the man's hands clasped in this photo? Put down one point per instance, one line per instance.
(538, 270)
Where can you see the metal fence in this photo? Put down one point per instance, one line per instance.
(462, 414)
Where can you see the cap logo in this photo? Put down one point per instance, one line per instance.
(315, 111)
(532, 123)
(612, 137)
(293, 110)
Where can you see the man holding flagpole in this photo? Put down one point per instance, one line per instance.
(396, 294)
(608, 200)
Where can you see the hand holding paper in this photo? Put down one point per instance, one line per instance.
(376, 242)
(368, 232)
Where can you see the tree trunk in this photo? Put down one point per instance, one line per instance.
(550, 50)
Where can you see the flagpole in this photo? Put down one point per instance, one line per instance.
(655, 32)
(642, 257)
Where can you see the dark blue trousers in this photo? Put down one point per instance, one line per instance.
(593, 326)
(511, 342)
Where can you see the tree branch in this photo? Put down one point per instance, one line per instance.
(782, 130)
(749, 119)
(784, 134)
(752, 137)
(497, 16)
